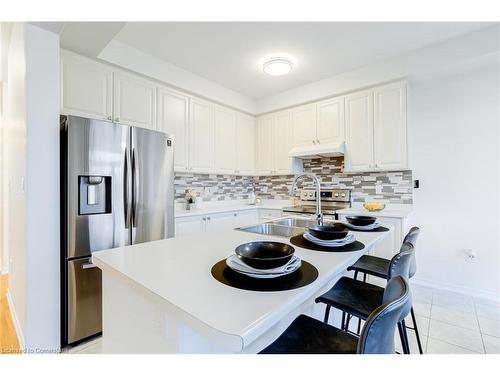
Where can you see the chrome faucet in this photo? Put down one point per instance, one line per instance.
(319, 215)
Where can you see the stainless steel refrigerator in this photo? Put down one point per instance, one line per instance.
(117, 189)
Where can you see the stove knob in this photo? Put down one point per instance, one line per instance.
(336, 195)
(310, 194)
(342, 195)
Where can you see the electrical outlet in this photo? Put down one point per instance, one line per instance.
(470, 256)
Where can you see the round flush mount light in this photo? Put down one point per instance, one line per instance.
(277, 66)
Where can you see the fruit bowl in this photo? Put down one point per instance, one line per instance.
(374, 206)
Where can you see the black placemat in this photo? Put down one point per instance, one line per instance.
(300, 241)
(378, 229)
(305, 275)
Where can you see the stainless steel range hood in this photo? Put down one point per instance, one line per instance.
(318, 150)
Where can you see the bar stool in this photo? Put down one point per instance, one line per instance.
(356, 298)
(310, 336)
(379, 267)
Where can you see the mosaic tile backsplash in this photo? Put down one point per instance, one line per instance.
(394, 187)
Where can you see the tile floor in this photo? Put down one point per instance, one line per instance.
(449, 323)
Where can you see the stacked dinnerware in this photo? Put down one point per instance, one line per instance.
(264, 259)
(335, 235)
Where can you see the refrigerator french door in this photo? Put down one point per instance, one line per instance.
(117, 190)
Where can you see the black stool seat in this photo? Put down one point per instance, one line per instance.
(354, 297)
(371, 265)
(310, 336)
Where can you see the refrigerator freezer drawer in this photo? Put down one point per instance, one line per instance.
(84, 299)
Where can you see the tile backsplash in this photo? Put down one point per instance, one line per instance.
(394, 187)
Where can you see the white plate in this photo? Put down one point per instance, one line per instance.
(362, 227)
(265, 275)
(333, 243)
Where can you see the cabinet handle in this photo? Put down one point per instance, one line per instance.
(204, 218)
(117, 119)
(208, 218)
(317, 141)
(314, 142)
(235, 214)
(110, 118)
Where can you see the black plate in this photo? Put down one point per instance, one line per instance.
(300, 241)
(361, 220)
(305, 275)
(328, 232)
(265, 254)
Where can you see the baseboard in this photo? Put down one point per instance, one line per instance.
(456, 289)
(15, 320)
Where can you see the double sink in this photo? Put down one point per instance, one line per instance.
(287, 227)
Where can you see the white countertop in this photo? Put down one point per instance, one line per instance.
(178, 271)
(216, 207)
(391, 210)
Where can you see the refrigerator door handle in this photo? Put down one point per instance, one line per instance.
(126, 189)
(135, 188)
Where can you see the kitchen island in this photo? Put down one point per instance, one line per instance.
(160, 297)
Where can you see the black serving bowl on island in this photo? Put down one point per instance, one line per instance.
(334, 231)
(361, 221)
(265, 254)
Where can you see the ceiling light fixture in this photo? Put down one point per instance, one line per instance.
(277, 66)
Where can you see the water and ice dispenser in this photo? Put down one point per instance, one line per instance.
(94, 195)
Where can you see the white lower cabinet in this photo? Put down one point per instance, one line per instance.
(192, 225)
(185, 226)
(245, 218)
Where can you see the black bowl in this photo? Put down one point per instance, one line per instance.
(328, 232)
(265, 254)
(361, 220)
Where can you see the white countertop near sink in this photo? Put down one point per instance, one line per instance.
(228, 206)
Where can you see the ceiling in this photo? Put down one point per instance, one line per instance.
(229, 53)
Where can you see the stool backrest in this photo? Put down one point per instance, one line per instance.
(411, 237)
(377, 336)
(401, 262)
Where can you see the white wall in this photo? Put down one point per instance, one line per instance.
(454, 136)
(137, 61)
(32, 143)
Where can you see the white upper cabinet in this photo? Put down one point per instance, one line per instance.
(376, 129)
(282, 143)
(201, 136)
(390, 143)
(304, 125)
(225, 140)
(173, 118)
(330, 121)
(245, 144)
(86, 87)
(359, 131)
(264, 145)
(134, 101)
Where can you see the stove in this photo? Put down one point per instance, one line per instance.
(331, 201)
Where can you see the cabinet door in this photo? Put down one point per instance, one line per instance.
(224, 140)
(264, 145)
(304, 125)
(134, 101)
(282, 143)
(201, 136)
(359, 131)
(173, 119)
(220, 221)
(390, 144)
(189, 226)
(86, 87)
(245, 145)
(330, 125)
(245, 218)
